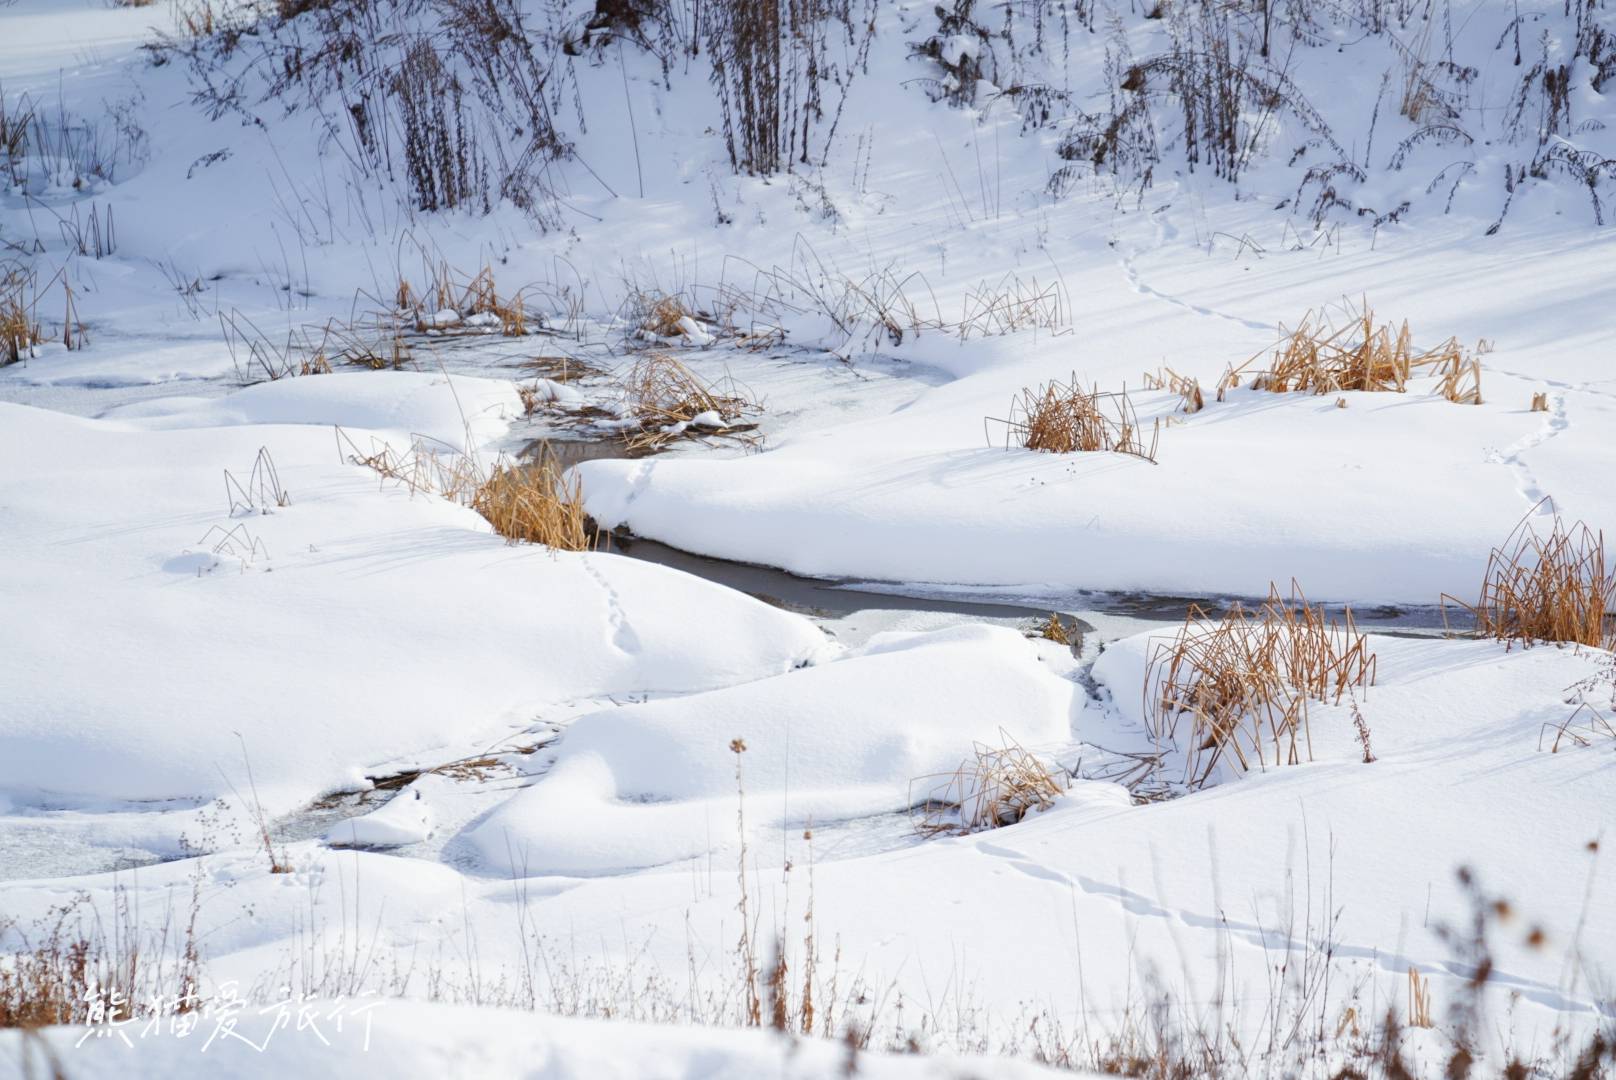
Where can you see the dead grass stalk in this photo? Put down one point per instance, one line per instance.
(19, 330)
(668, 401)
(996, 786)
(1320, 357)
(1186, 387)
(1243, 682)
(1555, 587)
(524, 503)
(1064, 418)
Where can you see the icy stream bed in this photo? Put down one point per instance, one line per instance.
(48, 837)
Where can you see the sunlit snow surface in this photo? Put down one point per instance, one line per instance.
(463, 749)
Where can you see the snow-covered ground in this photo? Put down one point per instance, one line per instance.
(363, 753)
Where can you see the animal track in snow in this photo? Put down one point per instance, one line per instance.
(1139, 286)
(624, 639)
(1525, 479)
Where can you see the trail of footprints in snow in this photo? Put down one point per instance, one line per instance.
(624, 639)
(1531, 490)
(637, 483)
(623, 636)
(1139, 286)
(1394, 964)
(1526, 480)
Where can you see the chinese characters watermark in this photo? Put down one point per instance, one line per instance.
(224, 1017)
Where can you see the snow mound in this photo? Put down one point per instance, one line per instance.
(1429, 695)
(398, 403)
(345, 630)
(653, 783)
(406, 818)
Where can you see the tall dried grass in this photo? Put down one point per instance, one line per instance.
(884, 306)
(20, 333)
(1557, 587)
(74, 966)
(1318, 1018)
(524, 503)
(1320, 357)
(1243, 682)
(781, 69)
(1419, 1000)
(1054, 629)
(659, 315)
(474, 302)
(262, 490)
(534, 504)
(1064, 418)
(1012, 305)
(996, 786)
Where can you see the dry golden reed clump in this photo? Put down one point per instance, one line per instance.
(534, 504)
(1243, 681)
(1547, 588)
(659, 315)
(996, 786)
(524, 503)
(669, 401)
(19, 333)
(1319, 357)
(1064, 418)
(466, 297)
(1055, 630)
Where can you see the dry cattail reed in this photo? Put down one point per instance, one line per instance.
(1243, 681)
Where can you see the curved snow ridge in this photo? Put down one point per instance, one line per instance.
(871, 732)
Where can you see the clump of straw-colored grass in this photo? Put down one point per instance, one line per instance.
(469, 299)
(1242, 682)
(996, 786)
(1064, 418)
(1319, 357)
(668, 401)
(661, 315)
(524, 503)
(534, 504)
(1055, 630)
(19, 331)
(1555, 587)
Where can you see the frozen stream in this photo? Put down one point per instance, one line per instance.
(55, 839)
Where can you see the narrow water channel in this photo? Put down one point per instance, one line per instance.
(1112, 614)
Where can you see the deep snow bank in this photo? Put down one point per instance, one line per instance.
(866, 734)
(1396, 497)
(146, 625)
